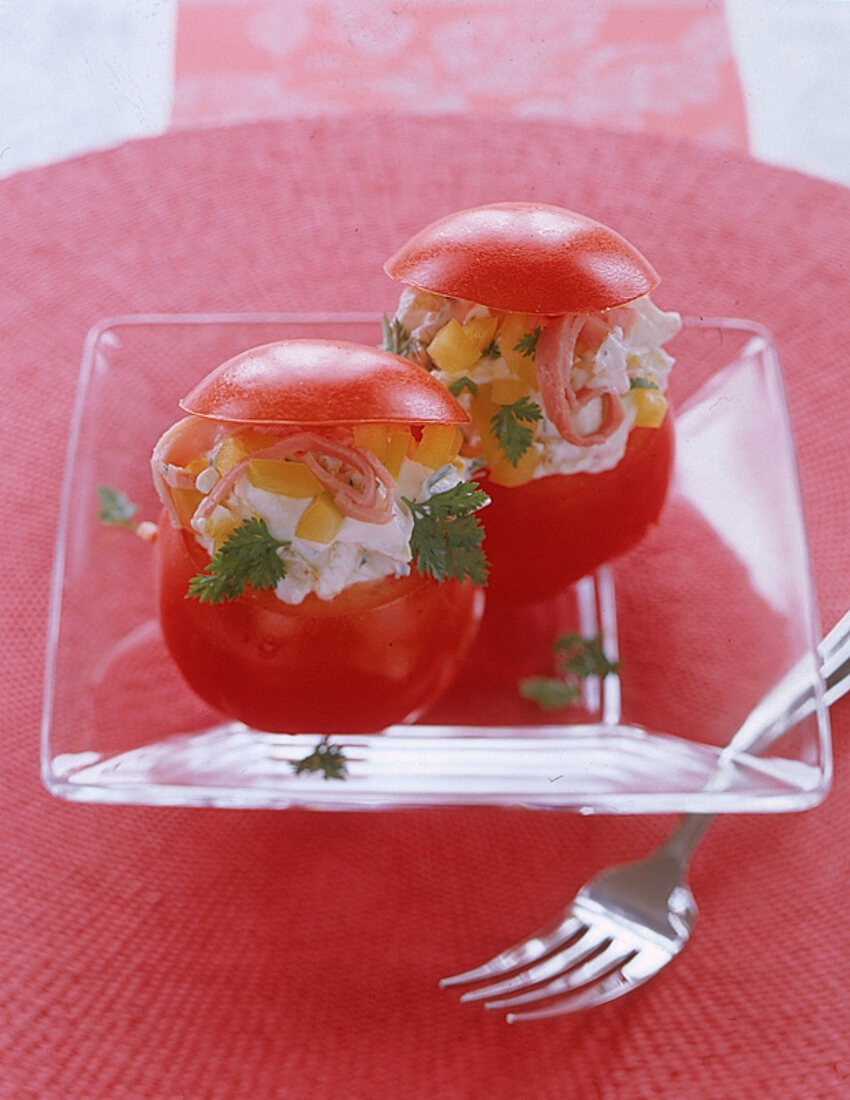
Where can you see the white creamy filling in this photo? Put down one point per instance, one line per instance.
(632, 349)
(359, 552)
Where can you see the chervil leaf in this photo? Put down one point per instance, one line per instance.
(398, 340)
(510, 426)
(115, 508)
(248, 556)
(527, 344)
(547, 692)
(641, 384)
(326, 758)
(463, 383)
(492, 351)
(583, 657)
(447, 537)
(576, 658)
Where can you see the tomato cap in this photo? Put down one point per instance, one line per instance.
(322, 382)
(524, 258)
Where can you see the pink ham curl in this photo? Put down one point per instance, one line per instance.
(183, 441)
(553, 362)
(357, 501)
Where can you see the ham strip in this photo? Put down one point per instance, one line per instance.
(553, 362)
(350, 474)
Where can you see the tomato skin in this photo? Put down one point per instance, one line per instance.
(550, 532)
(524, 258)
(308, 382)
(379, 653)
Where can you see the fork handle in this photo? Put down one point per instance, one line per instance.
(789, 702)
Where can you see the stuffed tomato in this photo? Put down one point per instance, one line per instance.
(319, 561)
(540, 321)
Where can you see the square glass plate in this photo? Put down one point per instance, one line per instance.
(712, 611)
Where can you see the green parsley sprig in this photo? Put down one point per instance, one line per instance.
(457, 387)
(548, 692)
(248, 556)
(576, 658)
(116, 509)
(527, 344)
(447, 537)
(398, 340)
(511, 426)
(326, 758)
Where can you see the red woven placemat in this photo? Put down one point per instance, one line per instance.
(150, 954)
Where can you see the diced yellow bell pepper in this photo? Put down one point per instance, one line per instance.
(288, 478)
(505, 391)
(231, 451)
(372, 437)
(482, 407)
(197, 465)
(650, 408)
(482, 330)
(438, 445)
(320, 520)
(185, 503)
(399, 444)
(503, 472)
(514, 327)
(221, 524)
(452, 350)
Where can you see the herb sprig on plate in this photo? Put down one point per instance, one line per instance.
(576, 659)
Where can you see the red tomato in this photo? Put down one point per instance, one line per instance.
(312, 382)
(550, 532)
(378, 653)
(525, 258)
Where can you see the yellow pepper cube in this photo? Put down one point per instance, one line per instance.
(320, 521)
(289, 479)
(483, 408)
(185, 502)
(452, 350)
(231, 452)
(372, 437)
(505, 391)
(221, 524)
(650, 408)
(438, 445)
(503, 472)
(482, 330)
(514, 328)
(399, 444)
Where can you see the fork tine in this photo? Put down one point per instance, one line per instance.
(614, 956)
(580, 950)
(546, 939)
(611, 987)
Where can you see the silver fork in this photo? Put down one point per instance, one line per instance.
(626, 924)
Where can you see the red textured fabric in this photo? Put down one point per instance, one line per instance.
(151, 954)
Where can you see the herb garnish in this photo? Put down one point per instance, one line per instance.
(583, 656)
(576, 659)
(326, 758)
(641, 384)
(249, 555)
(510, 426)
(492, 351)
(547, 692)
(447, 537)
(463, 383)
(398, 340)
(527, 344)
(115, 508)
